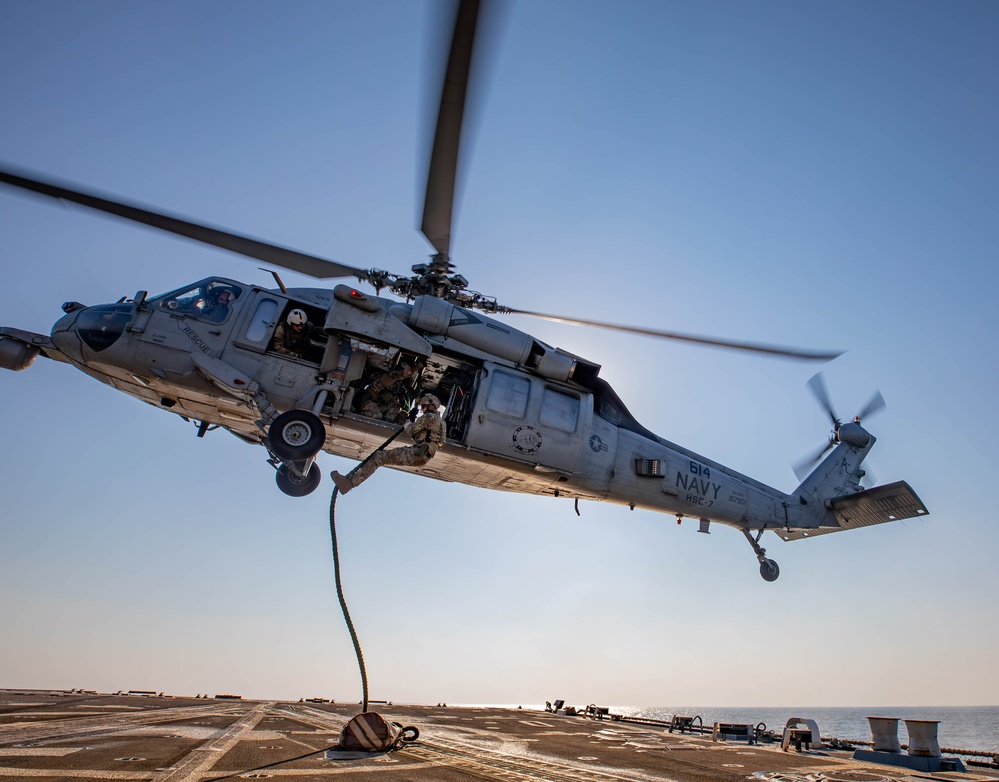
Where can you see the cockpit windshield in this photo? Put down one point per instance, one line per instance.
(101, 326)
(207, 300)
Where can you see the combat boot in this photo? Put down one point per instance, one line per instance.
(342, 482)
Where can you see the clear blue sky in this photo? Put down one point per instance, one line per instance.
(819, 174)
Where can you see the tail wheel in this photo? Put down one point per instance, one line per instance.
(295, 485)
(769, 570)
(296, 435)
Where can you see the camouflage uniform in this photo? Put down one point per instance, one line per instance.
(290, 342)
(428, 432)
(384, 396)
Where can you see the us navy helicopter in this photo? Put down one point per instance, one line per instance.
(522, 415)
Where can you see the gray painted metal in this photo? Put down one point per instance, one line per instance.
(526, 426)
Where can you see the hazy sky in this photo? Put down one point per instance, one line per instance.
(818, 174)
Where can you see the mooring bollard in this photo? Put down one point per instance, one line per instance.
(923, 738)
(884, 732)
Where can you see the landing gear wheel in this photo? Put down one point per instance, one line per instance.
(294, 485)
(769, 570)
(296, 435)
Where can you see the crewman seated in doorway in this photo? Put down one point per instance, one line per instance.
(428, 432)
(292, 337)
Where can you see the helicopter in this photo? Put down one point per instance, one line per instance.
(522, 416)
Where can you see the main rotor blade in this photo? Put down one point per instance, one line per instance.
(236, 243)
(774, 350)
(438, 203)
(817, 385)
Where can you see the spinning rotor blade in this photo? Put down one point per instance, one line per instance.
(241, 245)
(874, 405)
(817, 384)
(775, 350)
(804, 465)
(439, 201)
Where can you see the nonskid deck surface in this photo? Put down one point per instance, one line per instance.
(61, 736)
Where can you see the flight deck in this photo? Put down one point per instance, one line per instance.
(61, 735)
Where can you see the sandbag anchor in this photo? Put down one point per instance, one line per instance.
(370, 733)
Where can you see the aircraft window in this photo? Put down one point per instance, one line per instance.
(559, 410)
(262, 319)
(208, 300)
(508, 394)
(187, 302)
(101, 326)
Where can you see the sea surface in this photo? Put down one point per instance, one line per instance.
(961, 727)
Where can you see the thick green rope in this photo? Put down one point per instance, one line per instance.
(339, 585)
(343, 604)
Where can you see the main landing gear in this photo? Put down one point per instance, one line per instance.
(295, 437)
(768, 568)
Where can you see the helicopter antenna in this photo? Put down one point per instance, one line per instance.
(277, 279)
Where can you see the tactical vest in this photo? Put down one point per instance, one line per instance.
(432, 435)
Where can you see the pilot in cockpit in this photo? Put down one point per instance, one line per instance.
(219, 299)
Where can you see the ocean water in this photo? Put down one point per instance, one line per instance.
(961, 727)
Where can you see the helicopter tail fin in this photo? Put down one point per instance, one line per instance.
(833, 492)
(838, 475)
(891, 502)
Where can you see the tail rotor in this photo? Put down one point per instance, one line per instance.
(852, 433)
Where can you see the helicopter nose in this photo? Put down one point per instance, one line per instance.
(87, 330)
(66, 322)
(64, 335)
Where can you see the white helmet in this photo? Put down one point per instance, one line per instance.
(297, 318)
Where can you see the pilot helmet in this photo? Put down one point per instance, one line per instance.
(215, 294)
(296, 318)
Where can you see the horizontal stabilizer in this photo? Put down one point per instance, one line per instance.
(892, 502)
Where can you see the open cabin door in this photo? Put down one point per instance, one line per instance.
(528, 418)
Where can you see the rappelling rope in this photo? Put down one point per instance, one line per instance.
(339, 585)
(350, 627)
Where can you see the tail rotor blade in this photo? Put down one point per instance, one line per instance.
(817, 385)
(804, 466)
(874, 405)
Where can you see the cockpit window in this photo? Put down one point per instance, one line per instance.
(207, 300)
(100, 327)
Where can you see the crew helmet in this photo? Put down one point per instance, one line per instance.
(297, 318)
(215, 294)
(429, 399)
